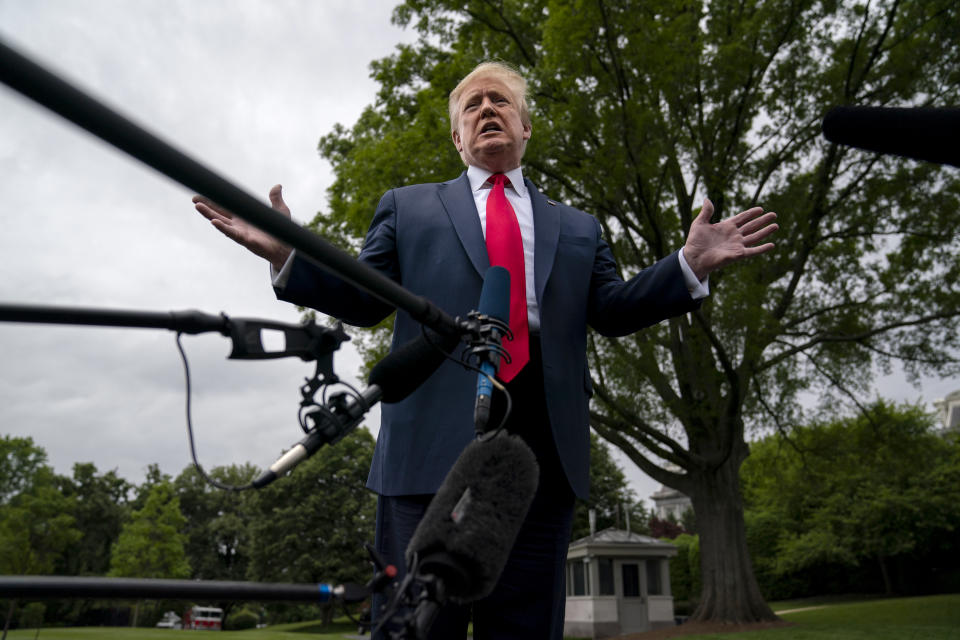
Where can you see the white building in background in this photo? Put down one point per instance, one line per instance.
(949, 410)
(667, 502)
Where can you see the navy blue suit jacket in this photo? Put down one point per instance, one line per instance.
(428, 238)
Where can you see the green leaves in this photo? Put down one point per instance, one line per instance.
(311, 526)
(875, 486)
(218, 523)
(36, 521)
(151, 544)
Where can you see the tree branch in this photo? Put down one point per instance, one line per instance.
(858, 337)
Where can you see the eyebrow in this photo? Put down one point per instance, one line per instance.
(477, 93)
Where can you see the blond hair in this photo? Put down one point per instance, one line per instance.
(498, 71)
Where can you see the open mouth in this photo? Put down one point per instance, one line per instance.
(491, 127)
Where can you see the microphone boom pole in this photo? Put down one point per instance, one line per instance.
(35, 587)
(192, 322)
(307, 341)
(57, 95)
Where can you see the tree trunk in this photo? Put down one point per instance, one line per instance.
(885, 573)
(730, 590)
(6, 624)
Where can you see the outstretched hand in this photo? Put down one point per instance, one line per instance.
(711, 246)
(244, 233)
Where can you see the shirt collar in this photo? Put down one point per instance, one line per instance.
(478, 177)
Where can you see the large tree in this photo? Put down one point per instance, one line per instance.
(20, 462)
(151, 544)
(101, 507)
(37, 525)
(640, 109)
(878, 489)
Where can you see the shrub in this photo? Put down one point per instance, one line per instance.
(685, 581)
(243, 619)
(31, 616)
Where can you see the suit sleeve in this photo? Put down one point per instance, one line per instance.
(311, 286)
(617, 307)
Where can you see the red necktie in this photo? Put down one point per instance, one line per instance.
(505, 249)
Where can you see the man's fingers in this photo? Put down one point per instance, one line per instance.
(744, 217)
(210, 210)
(758, 223)
(227, 229)
(760, 235)
(755, 251)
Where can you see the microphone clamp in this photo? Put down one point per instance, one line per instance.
(412, 603)
(486, 335)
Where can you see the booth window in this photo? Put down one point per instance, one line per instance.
(579, 578)
(654, 587)
(605, 566)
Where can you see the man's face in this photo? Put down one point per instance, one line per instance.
(490, 134)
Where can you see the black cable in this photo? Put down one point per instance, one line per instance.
(193, 449)
(470, 367)
(346, 612)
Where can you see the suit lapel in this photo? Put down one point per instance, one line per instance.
(462, 210)
(546, 231)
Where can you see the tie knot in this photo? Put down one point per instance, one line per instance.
(499, 178)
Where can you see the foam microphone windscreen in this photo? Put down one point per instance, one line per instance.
(922, 133)
(407, 367)
(495, 294)
(469, 528)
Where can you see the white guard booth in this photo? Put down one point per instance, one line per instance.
(618, 582)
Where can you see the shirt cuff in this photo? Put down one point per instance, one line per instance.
(280, 278)
(698, 288)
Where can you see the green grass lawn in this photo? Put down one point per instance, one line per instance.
(293, 631)
(924, 618)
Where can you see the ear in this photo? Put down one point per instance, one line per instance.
(456, 140)
(527, 131)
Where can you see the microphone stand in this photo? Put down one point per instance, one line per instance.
(307, 341)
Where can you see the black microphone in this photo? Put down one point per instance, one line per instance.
(409, 365)
(494, 305)
(338, 418)
(391, 380)
(470, 526)
(921, 133)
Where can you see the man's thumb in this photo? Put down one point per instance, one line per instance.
(706, 211)
(276, 199)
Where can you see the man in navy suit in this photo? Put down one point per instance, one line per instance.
(432, 239)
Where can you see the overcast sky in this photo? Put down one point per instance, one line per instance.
(245, 86)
